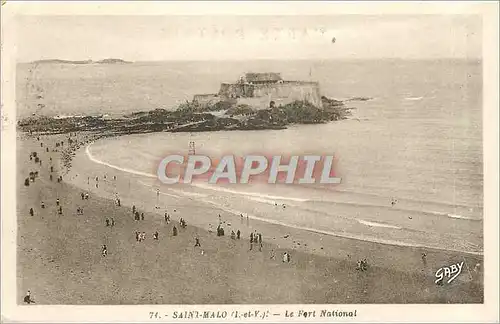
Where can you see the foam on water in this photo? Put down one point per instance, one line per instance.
(93, 159)
(248, 193)
(456, 216)
(460, 217)
(373, 224)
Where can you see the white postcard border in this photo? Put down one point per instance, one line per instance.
(486, 312)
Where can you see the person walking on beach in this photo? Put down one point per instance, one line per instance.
(50, 177)
(112, 222)
(43, 204)
(142, 216)
(107, 222)
(273, 255)
(60, 210)
(238, 234)
(197, 242)
(362, 265)
(57, 202)
(220, 230)
(83, 196)
(155, 236)
(136, 236)
(119, 202)
(104, 250)
(233, 235)
(27, 299)
(393, 202)
(133, 209)
(32, 212)
(251, 241)
(260, 242)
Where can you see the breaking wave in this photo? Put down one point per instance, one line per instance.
(373, 224)
(414, 98)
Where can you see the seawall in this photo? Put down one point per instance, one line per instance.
(260, 95)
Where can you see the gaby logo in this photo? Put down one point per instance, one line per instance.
(306, 169)
(450, 272)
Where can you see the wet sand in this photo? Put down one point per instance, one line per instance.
(59, 256)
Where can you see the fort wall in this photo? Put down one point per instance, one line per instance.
(235, 90)
(260, 95)
(289, 91)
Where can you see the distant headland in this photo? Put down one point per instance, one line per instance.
(104, 61)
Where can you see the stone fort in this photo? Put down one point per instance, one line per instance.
(258, 90)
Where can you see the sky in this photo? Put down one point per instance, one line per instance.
(162, 38)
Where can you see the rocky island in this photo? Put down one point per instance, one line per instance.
(256, 101)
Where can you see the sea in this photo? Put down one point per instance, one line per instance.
(416, 141)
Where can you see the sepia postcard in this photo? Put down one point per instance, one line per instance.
(249, 162)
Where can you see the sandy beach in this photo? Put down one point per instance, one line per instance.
(60, 261)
